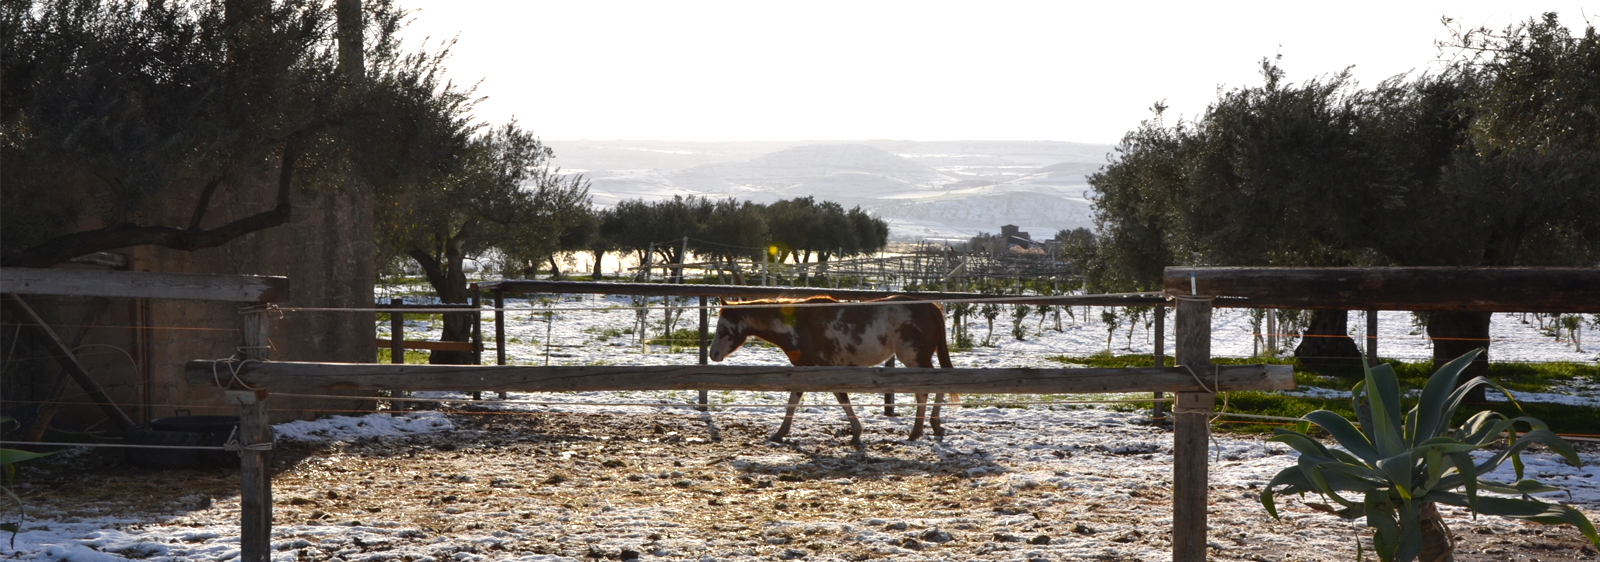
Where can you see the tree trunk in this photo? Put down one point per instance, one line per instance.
(450, 283)
(555, 270)
(733, 270)
(599, 256)
(1327, 340)
(1456, 333)
(1437, 545)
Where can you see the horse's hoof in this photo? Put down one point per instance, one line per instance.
(915, 435)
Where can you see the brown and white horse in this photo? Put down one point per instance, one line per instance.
(842, 335)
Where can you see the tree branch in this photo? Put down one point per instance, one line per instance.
(205, 203)
(65, 247)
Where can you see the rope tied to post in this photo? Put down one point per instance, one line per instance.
(235, 364)
(1215, 374)
(233, 444)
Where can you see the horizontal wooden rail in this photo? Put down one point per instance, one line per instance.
(432, 345)
(287, 375)
(144, 284)
(753, 292)
(1465, 289)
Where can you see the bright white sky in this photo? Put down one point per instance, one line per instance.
(976, 70)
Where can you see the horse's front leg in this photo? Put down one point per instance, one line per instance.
(850, 413)
(788, 418)
(938, 425)
(922, 408)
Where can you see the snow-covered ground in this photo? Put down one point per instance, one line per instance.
(1049, 461)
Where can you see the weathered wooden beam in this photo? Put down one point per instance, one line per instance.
(255, 428)
(1465, 289)
(47, 410)
(69, 361)
(282, 376)
(1191, 433)
(753, 292)
(430, 345)
(143, 284)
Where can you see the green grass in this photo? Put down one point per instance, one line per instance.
(680, 338)
(412, 356)
(1517, 377)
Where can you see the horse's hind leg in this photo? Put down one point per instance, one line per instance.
(788, 418)
(938, 425)
(850, 413)
(922, 408)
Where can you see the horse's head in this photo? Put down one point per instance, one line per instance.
(730, 334)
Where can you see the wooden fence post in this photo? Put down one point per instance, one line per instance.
(1372, 338)
(255, 478)
(475, 333)
(500, 331)
(397, 332)
(888, 397)
(705, 357)
(1158, 409)
(1191, 434)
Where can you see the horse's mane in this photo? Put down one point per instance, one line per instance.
(808, 300)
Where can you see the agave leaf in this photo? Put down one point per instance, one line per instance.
(1410, 532)
(1410, 432)
(1468, 474)
(8, 456)
(1362, 408)
(1433, 460)
(1353, 477)
(1380, 516)
(1398, 470)
(1383, 393)
(1520, 487)
(1345, 433)
(1460, 394)
(1320, 479)
(1346, 458)
(22, 513)
(1538, 512)
(1299, 442)
(1490, 430)
(1431, 418)
(1293, 481)
(1541, 434)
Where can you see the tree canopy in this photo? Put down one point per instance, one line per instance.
(118, 111)
(1492, 161)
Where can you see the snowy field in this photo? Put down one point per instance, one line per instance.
(546, 477)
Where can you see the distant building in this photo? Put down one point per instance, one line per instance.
(1014, 237)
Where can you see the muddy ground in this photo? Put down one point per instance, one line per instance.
(519, 486)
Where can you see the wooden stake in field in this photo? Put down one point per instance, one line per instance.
(255, 429)
(1192, 433)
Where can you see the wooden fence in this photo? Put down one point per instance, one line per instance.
(1196, 291)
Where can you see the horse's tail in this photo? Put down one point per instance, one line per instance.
(943, 350)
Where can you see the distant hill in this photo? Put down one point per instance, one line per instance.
(940, 189)
(817, 162)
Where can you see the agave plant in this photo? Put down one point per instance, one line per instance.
(1398, 467)
(7, 457)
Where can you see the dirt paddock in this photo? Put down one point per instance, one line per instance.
(1092, 485)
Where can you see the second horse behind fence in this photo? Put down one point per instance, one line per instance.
(828, 333)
